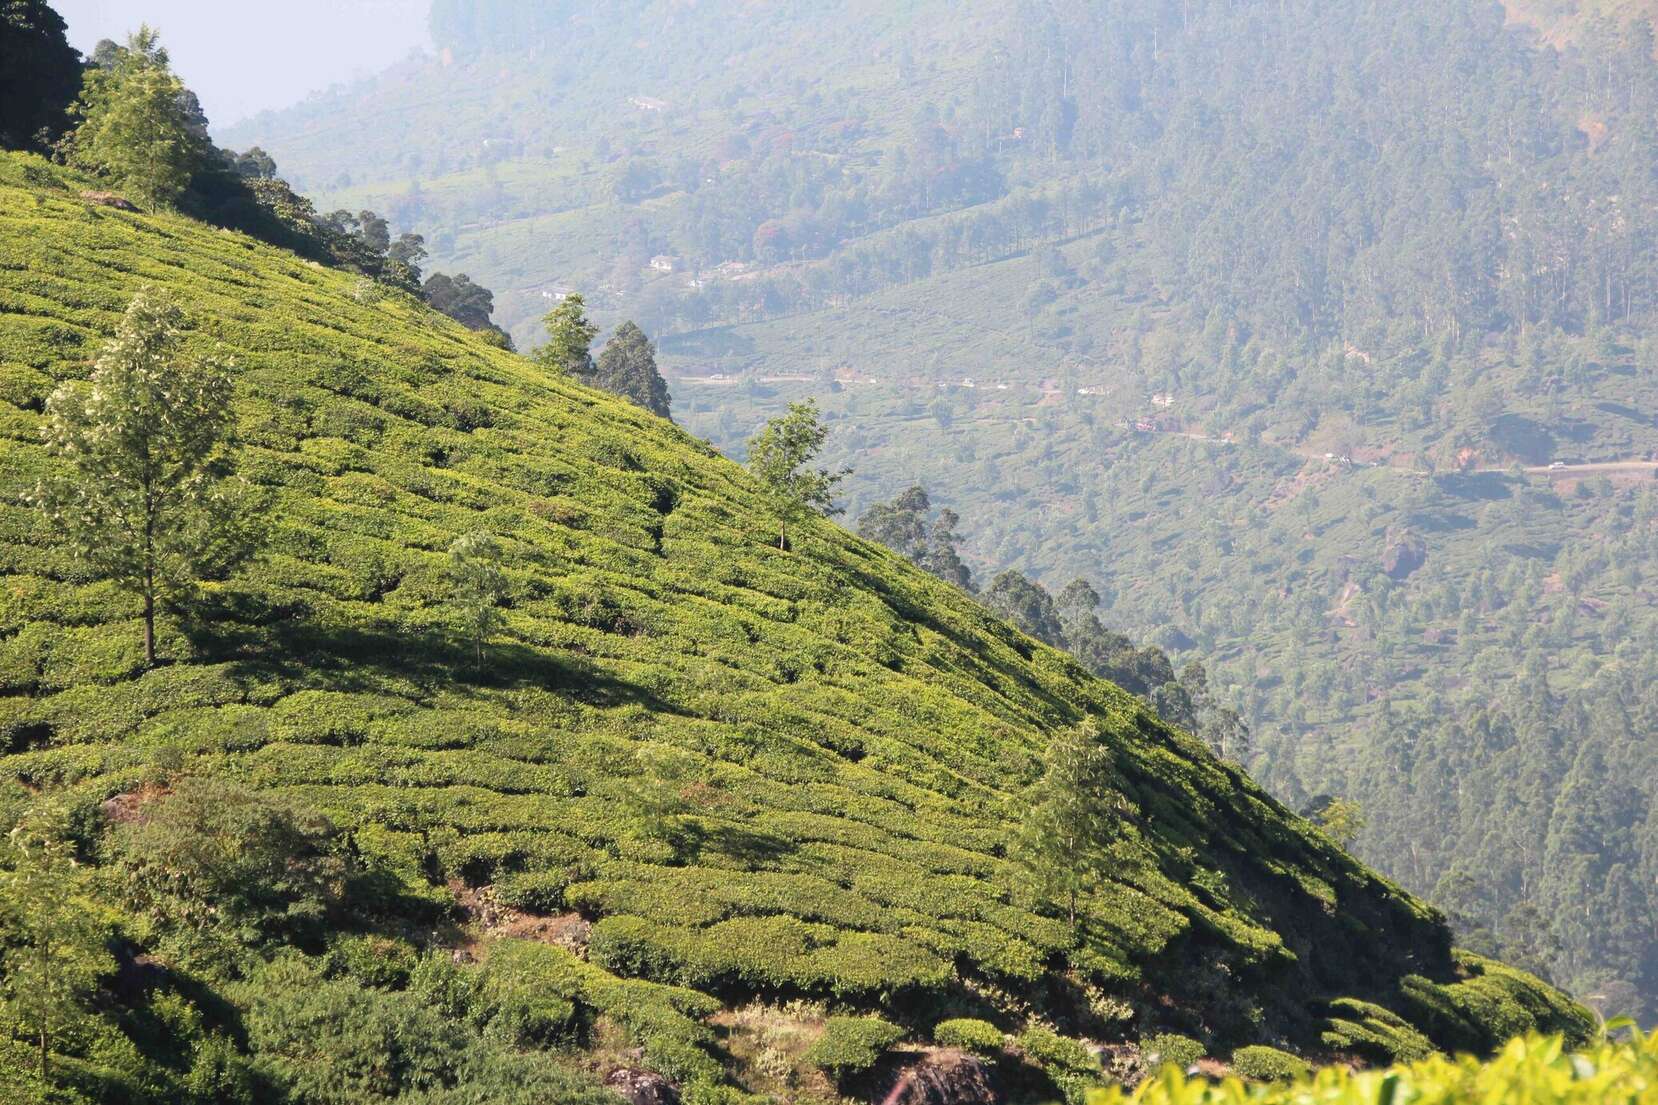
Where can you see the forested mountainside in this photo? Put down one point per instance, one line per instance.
(691, 778)
(1268, 318)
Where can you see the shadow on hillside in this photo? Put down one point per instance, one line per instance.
(973, 644)
(289, 642)
(692, 840)
(1205, 816)
(1476, 487)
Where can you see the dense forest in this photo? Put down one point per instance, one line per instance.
(1265, 319)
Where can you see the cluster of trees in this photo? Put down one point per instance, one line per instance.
(1538, 211)
(124, 116)
(40, 76)
(908, 526)
(626, 366)
(214, 890)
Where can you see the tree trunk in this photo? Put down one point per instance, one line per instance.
(149, 627)
(45, 1010)
(783, 536)
(149, 568)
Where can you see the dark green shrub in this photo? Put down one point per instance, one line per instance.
(226, 865)
(1069, 1063)
(1170, 1049)
(380, 961)
(1268, 1064)
(851, 1045)
(528, 997)
(978, 1037)
(532, 891)
(337, 1043)
(333, 1042)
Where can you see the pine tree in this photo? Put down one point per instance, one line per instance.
(140, 126)
(627, 367)
(778, 455)
(148, 502)
(1070, 818)
(569, 339)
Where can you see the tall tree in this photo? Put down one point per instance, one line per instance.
(943, 557)
(55, 951)
(779, 455)
(1070, 818)
(627, 367)
(140, 127)
(403, 257)
(458, 297)
(569, 338)
(147, 500)
(1027, 605)
(900, 525)
(479, 587)
(254, 164)
(40, 74)
(903, 526)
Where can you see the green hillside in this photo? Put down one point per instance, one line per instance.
(992, 247)
(758, 775)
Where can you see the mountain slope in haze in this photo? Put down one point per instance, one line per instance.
(1562, 22)
(1145, 291)
(756, 774)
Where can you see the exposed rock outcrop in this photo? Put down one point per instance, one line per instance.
(641, 1087)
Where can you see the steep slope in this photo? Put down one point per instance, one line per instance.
(843, 739)
(1418, 237)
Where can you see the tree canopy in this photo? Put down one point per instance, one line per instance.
(145, 499)
(780, 456)
(140, 127)
(627, 367)
(40, 75)
(569, 338)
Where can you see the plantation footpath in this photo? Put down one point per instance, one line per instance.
(690, 771)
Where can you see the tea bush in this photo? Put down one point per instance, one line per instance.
(1532, 1070)
(850, 737)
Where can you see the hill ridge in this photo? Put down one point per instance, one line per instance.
(839, 738)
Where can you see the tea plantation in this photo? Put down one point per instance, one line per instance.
(760, 775)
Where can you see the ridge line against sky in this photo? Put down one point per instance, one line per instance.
(282, 52)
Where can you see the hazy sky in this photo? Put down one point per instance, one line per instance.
(243, 56)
